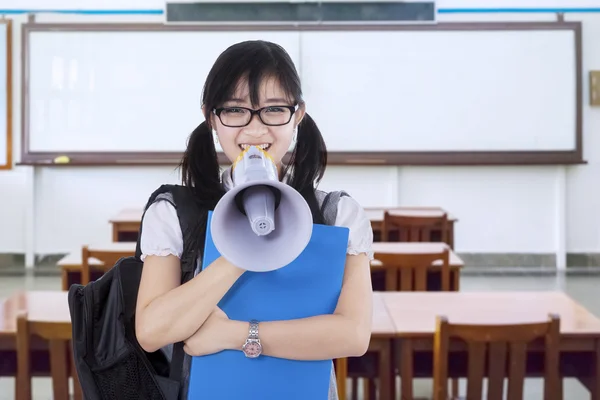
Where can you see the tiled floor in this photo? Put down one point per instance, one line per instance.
(583, 289)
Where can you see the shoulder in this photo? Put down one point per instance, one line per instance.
(161, 211)
(160, 230)
(350, 214)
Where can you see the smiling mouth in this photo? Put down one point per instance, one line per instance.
(263, 146)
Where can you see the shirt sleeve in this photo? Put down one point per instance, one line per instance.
(352, 215)
(161, 233)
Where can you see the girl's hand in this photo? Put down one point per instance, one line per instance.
(211, 337)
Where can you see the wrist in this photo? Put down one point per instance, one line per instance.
(237, 332)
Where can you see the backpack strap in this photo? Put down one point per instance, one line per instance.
(188, 214)
(330, 206)
(163, 192)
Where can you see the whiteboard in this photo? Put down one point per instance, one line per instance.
(406, 90)
(124, 91)
(442, 90)
(5, 133)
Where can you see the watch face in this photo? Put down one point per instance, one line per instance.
(252, 349)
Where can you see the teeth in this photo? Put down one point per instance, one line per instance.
(261, 146)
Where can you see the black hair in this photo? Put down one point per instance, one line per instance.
(253, 60)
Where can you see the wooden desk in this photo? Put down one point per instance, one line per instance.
(126, 224)
(434, 275)
(414, 314)
(70, 265)
(40, 306)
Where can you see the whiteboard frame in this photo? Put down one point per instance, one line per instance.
(9, 109)
(566, 157)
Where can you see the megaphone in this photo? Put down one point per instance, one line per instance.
(260, 224)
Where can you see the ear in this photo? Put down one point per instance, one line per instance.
(300, 113)
(210, 117)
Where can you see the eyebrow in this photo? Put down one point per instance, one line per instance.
(277, 100)
(236, 100)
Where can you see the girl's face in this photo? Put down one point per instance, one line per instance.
(274, 132)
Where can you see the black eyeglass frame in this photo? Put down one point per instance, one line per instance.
(218, 111)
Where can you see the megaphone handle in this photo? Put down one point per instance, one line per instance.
(239, 198)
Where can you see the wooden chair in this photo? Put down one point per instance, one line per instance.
(108, 258)
(58, 335)
(499, 339)
(403, 272)
(414, 228)
(408, 272)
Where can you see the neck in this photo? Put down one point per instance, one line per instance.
(280, 170)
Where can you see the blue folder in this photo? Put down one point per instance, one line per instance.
(308, 286)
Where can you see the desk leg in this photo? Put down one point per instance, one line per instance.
(595, 381)
(115, 232)
(64, 279)
(583, 366)
(406, 369)
(341, 375)
(386, 371)
(455, 275)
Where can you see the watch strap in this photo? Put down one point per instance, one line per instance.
(253, 330)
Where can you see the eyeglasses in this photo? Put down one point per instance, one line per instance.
(237, 117)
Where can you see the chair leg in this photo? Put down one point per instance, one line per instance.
(372, 391)
(455, 390)
(60, 380)
(367, 384)
(354, 388)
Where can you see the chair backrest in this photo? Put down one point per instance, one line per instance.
(498, 342)
(108, 258)
(58, 336)
(408, 272)
(414, 228)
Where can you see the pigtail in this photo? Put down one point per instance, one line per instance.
(307, 164)
(200, 169)
(201, 173)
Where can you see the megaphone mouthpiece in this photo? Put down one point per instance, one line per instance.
(259, 207)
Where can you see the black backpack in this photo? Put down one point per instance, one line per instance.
(109, 361)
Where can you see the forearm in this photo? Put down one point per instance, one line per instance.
(177, 314)
(316, 338)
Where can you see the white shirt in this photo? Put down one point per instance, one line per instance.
(162, 236)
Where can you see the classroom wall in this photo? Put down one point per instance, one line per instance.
(543, 210)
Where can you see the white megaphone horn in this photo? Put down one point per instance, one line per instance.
(260, 224)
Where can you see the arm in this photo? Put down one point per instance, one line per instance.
(166, 311)
(345, 333)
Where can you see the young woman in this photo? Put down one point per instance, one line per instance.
(252, 96)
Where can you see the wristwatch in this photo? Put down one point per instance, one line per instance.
(252, 348)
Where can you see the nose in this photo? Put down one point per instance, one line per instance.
(256, 127)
